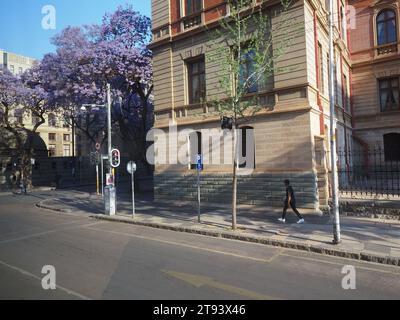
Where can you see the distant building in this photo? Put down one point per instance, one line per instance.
(56, 133)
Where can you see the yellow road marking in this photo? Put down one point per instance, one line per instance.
(200, 281)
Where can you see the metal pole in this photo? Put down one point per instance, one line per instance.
(109, 126)
(97, 180)
(198, 195)
(133, 195)
(102, 175)
(334, 179)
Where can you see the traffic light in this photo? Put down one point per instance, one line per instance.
(226, 123)
(115, 158)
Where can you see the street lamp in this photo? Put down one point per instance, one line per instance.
(110, 193)
(334, 179)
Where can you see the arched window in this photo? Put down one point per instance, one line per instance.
(386, 28)
(392, 146)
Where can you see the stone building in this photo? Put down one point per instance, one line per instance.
(375, 53)
(291, 129)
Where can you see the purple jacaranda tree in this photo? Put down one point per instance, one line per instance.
(87, 58)
(20, 96)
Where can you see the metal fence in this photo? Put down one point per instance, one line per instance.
(368, 172)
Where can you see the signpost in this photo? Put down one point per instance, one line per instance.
(103, 157)
(95, 160)
(131, 167)
(199, 169)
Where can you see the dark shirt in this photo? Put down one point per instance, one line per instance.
(290, 192)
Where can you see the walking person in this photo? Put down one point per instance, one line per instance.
(290, 201)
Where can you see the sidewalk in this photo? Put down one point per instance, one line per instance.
(362, 239)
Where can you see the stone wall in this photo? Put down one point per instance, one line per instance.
(257, 189)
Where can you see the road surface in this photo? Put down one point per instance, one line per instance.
(103, 260)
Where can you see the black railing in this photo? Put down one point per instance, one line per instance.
(368, 172)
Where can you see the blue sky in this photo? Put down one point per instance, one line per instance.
(21, 21)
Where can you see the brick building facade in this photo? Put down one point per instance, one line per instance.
(291, 130)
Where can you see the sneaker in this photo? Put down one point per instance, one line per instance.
(282, 220)
(301, 221)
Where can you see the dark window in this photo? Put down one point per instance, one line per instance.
(66, 137)
(246, 148)
(18, 115)
(386, 29)
(52, 136)
(389, 94)
(195, 148)
(52, 120)
(247, 69)
(52, 150)
(66, 123)
(193, 6)
(392, 146)
(35, 119)
(197, 80)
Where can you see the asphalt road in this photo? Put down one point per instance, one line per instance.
(102, 260)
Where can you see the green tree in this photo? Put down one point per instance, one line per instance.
(246, 47)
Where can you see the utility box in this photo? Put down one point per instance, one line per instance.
(110, 200)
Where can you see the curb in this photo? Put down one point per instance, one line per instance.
(42, 206)
(261, 240)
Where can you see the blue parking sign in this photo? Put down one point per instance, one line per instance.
(199, 162)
